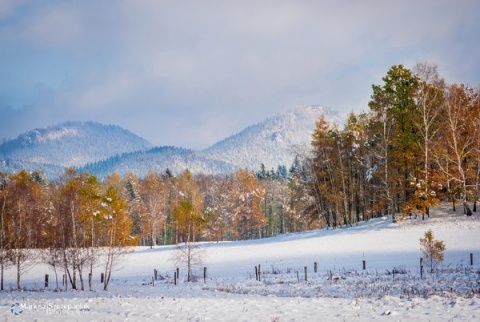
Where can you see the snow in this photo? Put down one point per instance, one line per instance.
(57, 134)
(340, 291)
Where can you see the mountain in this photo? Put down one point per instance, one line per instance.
(103, 149)
(159, 159)
(271, 141)
(71, 144)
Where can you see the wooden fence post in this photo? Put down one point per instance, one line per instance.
(175, 277)
(46, 280)
(471, 259)
(155, 274)
(305, 269)
(178, 273)
(90, 284)
(204, 274)
(364, 264)
(102, 277)
(256, 273)
(315, 267)
(259, 273)
(64, 281)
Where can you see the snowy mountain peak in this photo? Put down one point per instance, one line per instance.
(68, 144)
(270, 141)
(103, 149)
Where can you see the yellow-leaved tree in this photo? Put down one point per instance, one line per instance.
(115, 228)
(432, 250)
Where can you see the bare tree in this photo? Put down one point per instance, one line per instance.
(190, 256)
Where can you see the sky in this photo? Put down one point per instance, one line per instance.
(190, 73)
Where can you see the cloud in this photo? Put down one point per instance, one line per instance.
(59, 26)
(8, 7)
(191, 72)
(102, 94)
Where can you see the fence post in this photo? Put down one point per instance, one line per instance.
(364, 264)
(175, 277)
(421, 272)
(65, 281)
(315, 267)
(90, 281)
(155, 273)
(471, 259)
(256, 273)
(204, 274)
(259, 273)
(178, 273)
(153, 281)
(46, 280)
(305, 269)
(102, 276)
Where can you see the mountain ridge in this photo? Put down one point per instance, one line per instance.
(118, 150)
(279, 132)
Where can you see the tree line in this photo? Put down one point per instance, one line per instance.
(79, 222)
(417, 144)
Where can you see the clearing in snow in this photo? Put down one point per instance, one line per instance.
(311, 276)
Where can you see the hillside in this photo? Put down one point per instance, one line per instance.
(341, 290)
(103, 149)
(71, 144)
(159, 159)
(270, 142)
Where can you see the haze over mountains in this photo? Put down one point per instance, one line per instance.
(104, 149)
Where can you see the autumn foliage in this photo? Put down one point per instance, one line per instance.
(418, 143)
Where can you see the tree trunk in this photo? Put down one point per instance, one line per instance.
(82, 284)
(2, 268)
(18, 272)
(154, 239)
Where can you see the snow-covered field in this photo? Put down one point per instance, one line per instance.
(389, 289)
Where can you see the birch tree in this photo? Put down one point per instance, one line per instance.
(455, 155)
(115, 227)
(429, 99)
(153, 197)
